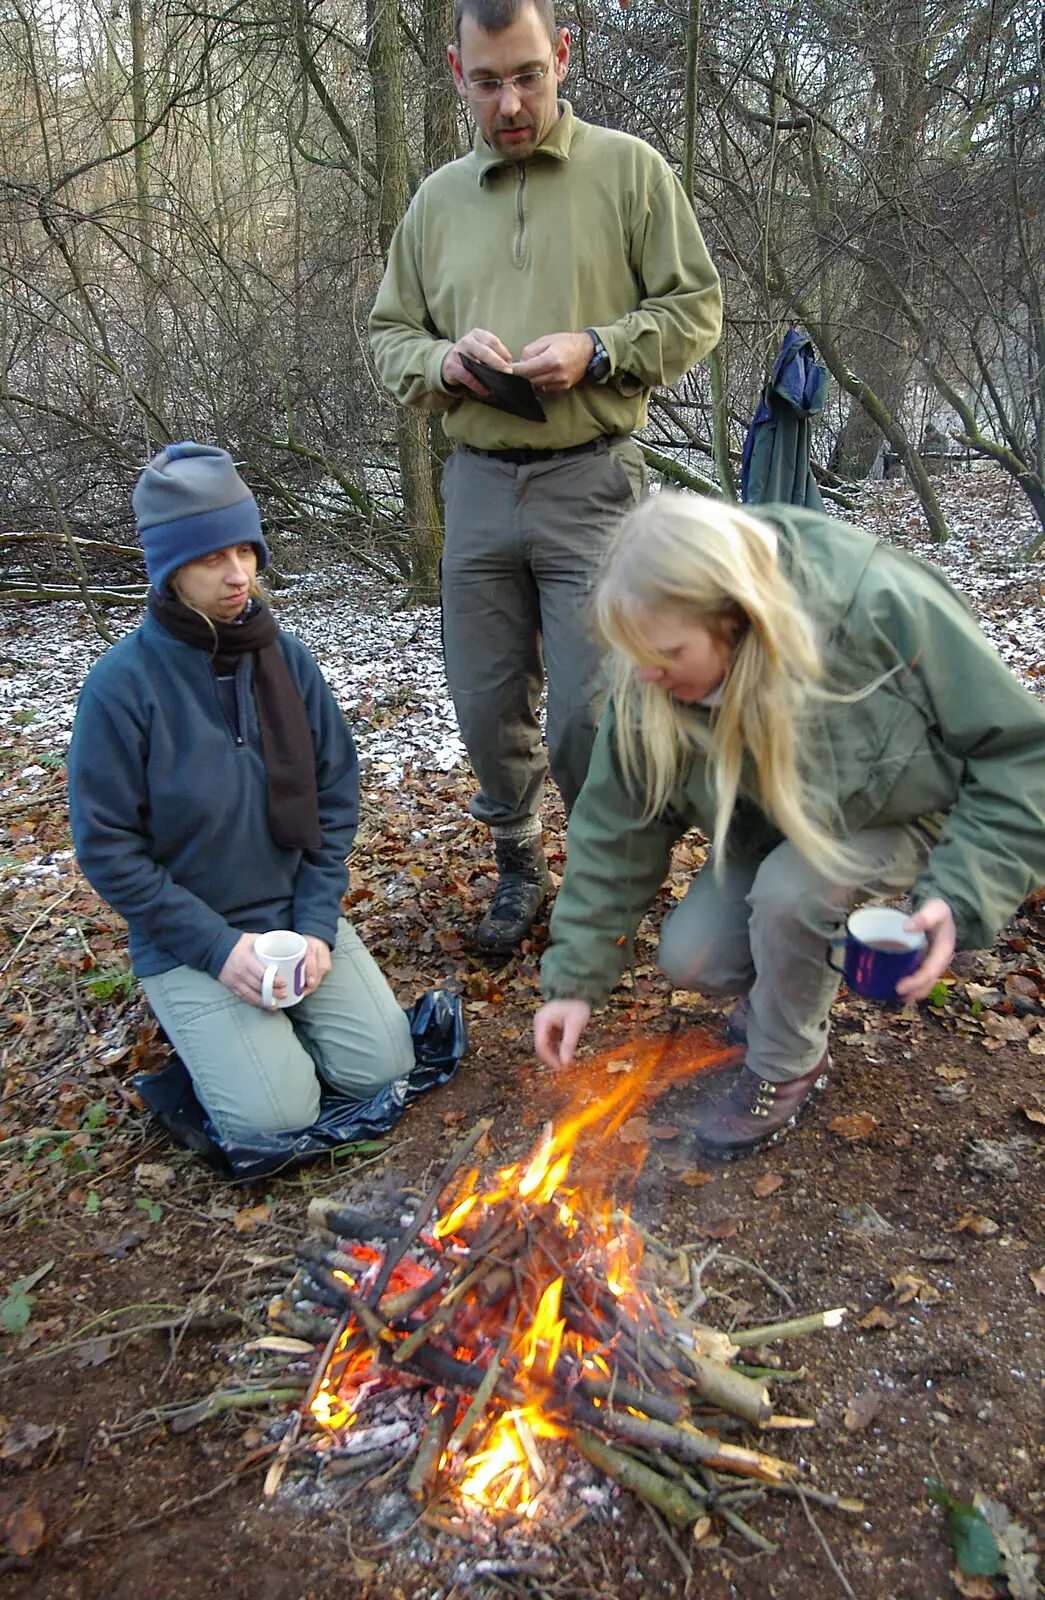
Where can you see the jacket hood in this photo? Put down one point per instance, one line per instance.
(824, 559)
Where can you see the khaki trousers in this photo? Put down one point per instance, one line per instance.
(762, 930)
(522, 547)
(259, 1071)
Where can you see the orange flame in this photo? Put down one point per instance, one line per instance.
(506, 1471)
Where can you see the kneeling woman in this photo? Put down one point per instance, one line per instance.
(826, 710)
(214, 795)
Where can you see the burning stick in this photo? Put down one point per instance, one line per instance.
(348, 1223)
(398, 1250)
(483, 1395)
(433, 1446)
(685, 1443)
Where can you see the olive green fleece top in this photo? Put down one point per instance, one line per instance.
(949, 739)
(591, 231)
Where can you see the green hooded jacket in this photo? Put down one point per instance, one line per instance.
(951, 739)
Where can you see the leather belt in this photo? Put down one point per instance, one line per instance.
(525, 458)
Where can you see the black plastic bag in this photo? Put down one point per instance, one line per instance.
(440, 1035)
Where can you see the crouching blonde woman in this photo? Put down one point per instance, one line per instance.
(825, 709)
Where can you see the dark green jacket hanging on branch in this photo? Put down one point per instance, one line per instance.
(776, 466)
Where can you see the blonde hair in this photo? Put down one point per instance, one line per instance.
(710, 562)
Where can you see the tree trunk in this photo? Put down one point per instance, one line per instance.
(151, 330)
(875, 344)
(719, 400)
(440, 94)
(420, 505)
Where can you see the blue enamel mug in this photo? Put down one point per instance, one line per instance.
(877, 951)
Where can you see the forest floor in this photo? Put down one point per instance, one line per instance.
(912, 1192)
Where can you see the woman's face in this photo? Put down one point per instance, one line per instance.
(218, 584)
(699, 654)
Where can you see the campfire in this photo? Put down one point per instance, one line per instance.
(526, 1315)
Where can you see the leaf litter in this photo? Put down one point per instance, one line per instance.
(75, 1033)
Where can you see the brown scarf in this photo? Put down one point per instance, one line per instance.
(286, 738)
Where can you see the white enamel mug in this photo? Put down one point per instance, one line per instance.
(283, 956)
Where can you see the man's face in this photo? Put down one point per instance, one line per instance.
(513, 123)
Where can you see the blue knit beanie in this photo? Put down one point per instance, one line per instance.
(189, 501)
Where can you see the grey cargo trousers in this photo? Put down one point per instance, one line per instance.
(522, 546)
(762, 930)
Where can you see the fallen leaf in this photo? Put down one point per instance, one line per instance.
(118, 1248)
(95, 1352)
(24, 1435)
(951, 1074)
(973, 1588)
(450, 1118)
(1034, 1113)
(862, 1410)
(663, 1130)
(856, 1126)
(696, 1179)
(24, 1530)
(634, 1131)
(1038, 1280)
(1016, 1546)
(1020, 983)
(877, 1317)
(982, 1227)
(907, 1287)
(769, 1183)
(1010, 1029)
(251, 1217)
(1036, 1044)
(154, 1174)
(719, 1228)
(982, 994)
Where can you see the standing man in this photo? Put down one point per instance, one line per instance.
(569, 255)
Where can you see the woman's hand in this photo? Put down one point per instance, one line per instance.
(317, 962)
(244, 974)
(556, 1029)
(936, 920)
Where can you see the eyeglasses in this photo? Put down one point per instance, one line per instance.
(523, 83)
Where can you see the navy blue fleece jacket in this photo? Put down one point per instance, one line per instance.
(169, 807)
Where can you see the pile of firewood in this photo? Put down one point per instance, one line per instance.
(523, 1315)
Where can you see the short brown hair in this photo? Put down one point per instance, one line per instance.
(493, 16)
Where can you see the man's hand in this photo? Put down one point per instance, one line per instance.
(556, 361)
(317, 962)
(936, 920)
(556, 1029)
(243, 973)
(481, 346)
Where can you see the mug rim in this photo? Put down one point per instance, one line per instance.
(891, 926)
(300, 946)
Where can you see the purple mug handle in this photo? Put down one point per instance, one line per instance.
(838, 942)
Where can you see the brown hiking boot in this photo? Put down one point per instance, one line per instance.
(749, 1110)
(522, 888)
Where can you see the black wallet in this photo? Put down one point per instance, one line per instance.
(507, 391)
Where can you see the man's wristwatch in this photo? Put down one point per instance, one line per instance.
(599, 365)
